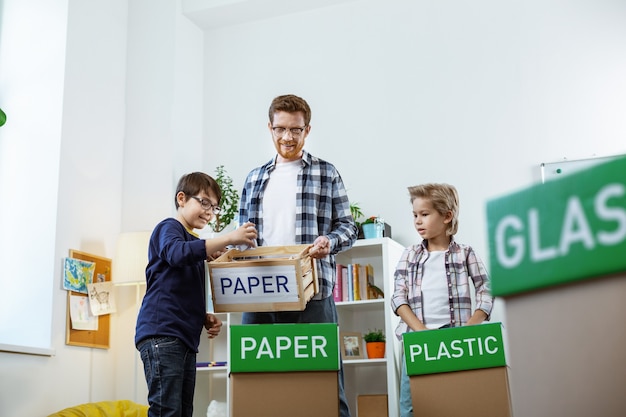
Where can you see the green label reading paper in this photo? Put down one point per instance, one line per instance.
(562, 231)
(454, 349)
(284, 347)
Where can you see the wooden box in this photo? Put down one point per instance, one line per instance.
(372, 405)
(267, 278)
(488, 397)
(285, 394)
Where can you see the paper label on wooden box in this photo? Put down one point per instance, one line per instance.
(284, 347)
(261, 284)
(454, 349)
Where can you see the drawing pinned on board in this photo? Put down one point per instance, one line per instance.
(77, 274)
(101, 298)
(81, 317)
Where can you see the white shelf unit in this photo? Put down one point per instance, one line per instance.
(372, 376)
(212, 382)
(361, 376)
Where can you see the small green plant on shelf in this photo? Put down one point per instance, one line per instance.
(371, 219)
(356, 212)
(375, 335)
(229, 203)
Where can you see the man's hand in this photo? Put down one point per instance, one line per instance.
(321, 248)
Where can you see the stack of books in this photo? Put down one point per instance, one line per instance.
(355, 282)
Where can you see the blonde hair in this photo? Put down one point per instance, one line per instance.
(444, 199)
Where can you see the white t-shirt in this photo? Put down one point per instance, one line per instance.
(279, 205)
(435, 291)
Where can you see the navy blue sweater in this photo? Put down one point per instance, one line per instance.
(174, 304)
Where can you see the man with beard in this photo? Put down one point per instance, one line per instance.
(296, 198)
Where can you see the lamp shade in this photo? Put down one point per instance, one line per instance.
(131, 257)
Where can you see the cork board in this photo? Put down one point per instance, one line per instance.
(90, 338)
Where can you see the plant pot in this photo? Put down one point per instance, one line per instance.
(372, 230)
(375, 350)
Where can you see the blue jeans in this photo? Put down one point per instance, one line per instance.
(170, 369)
(406, 402)
(316, 311)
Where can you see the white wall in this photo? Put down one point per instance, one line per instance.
(32, 71)
(473, 93)
(80, 110)
(110, 95)
(164, 113)
(31, 91)
(477, 94)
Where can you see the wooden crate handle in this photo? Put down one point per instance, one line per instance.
(267, 251)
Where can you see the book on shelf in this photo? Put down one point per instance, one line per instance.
(350, 279)
(344, 283)
(363, 281)
(338, 289)
(355, 282)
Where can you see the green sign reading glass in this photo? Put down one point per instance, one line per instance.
(454, 349)
(565, 230)
(284, 347)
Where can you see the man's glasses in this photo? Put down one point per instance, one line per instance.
(206, 205)
(296, 132)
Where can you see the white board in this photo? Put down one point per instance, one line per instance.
(554, 170)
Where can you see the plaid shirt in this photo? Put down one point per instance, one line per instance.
(322, 209)
(462, 265)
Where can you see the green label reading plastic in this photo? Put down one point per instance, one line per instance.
(565, 230)
(284, 347)
(454, 349)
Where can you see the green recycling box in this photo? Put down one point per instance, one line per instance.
(563, 231)
(284, 370)
(446, 367)
(558, 257)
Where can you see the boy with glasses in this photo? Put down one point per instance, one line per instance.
(173, 311)
(296, 198)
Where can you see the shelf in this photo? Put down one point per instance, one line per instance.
(212, 369)
(365, 362)
(360, 305)
(367, 376)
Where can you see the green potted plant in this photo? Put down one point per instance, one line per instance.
(375, 343)
(355, 210)
(373, 227)
(229, 203)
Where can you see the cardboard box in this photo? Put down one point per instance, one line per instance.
(267, 278)
(373, 406)
(471, 393)
(579, 370)
(284, 370)
(458, 371)
(285, 394)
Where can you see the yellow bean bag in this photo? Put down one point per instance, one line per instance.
(120, 408)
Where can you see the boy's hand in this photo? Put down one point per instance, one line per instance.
(212, 324)
(215, 255)
(246, 234)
